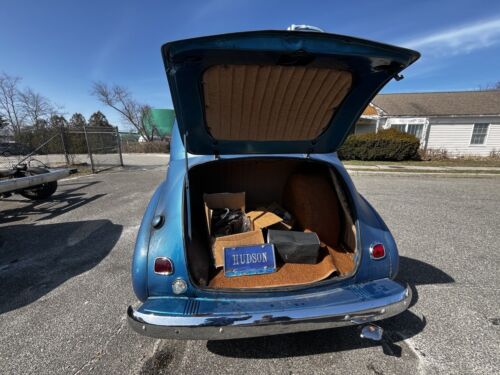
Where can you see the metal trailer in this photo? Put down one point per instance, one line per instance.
(35, 183)
(32, 183)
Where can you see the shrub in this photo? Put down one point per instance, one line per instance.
(389, 144)
(146, 147)
(434, 154)
(495, 154)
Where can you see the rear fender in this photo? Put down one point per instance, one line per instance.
(168, 241)
(373, 230)
(140, 257)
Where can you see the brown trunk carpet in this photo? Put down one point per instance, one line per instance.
(343, 260)
(286, 275)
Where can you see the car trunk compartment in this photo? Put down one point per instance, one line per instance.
(311, 191)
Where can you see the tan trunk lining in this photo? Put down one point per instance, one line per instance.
(268, 103)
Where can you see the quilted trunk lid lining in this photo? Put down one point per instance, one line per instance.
(271, 103)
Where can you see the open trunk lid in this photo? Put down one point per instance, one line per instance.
(275, 92)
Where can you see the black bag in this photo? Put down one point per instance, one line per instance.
(295, 247)
(227, 221)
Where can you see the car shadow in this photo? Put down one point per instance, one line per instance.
(416, 272)
(35, 259)
(396, 329)
(61, 202)
(318, 342)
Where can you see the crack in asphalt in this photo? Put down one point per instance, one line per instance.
(102, 352)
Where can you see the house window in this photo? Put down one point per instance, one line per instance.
(415, 129)
(400, 127)
(479, 134)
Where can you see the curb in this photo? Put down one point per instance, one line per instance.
(353, 172)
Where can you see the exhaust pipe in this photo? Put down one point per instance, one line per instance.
(372, 332)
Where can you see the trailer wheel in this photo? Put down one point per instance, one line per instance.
(42, 191)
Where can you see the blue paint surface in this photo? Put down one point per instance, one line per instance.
(169, 240)
(249, 260)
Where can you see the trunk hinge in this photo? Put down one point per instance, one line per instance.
(311, 149)
(216, 155)
(398, 77)
(187, 191)
(394, 70)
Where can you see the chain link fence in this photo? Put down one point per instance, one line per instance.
(96, 147)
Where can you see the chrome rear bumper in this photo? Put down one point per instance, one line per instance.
(229, 326)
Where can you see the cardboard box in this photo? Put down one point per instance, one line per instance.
(259, 219)
(231, 201)
(281, 226)
(287, 218)
(254, 237)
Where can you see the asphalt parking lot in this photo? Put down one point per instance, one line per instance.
(65, 286)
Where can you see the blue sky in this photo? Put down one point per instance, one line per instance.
(60, 47)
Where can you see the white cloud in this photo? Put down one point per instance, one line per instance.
(460, 40)
(209, 9)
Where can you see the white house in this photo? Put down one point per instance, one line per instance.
(6, 134)
(462, 122)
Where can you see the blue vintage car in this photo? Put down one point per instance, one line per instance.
(263, 113)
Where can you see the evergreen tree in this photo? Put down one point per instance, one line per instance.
(99, 120)
(77, 121)
(57, 121)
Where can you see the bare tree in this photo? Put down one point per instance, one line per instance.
(490, 86)
(36, 106)
(121, 100)
(10, 104)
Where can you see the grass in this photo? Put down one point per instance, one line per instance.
(146, 147)
(432, 163)
(81, 171)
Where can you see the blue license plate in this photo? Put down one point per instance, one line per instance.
(249, 260)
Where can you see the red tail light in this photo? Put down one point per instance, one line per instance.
(164, 266)
(377, 251)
